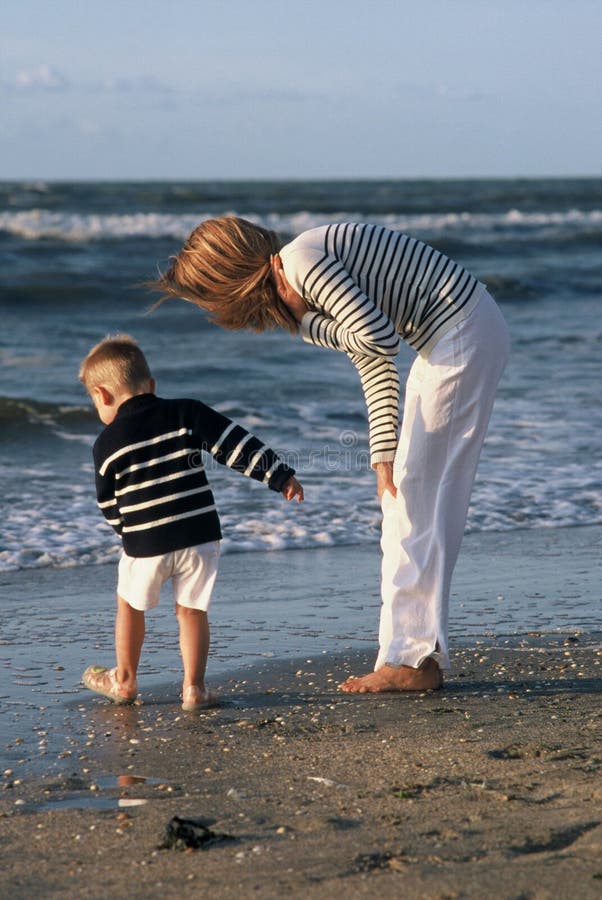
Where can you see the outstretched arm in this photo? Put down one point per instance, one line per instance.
(232, 445)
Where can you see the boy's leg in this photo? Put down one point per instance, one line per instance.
(129, 637)
(194, 644)
(195, 571)
(140, 580)
(194, 647)
(119, 684)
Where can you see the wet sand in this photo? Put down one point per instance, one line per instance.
(490, 787)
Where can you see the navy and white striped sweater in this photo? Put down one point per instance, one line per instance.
(151, 484)
(366, 287)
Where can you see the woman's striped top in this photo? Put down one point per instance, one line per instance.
(151, 483)
(366, 287)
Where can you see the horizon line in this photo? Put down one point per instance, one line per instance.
(155, 179)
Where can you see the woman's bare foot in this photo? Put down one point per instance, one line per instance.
(427, 677)
(194, 697)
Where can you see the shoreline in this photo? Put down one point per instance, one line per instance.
(276, 605)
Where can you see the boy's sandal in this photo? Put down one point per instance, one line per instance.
(194, 698)
(104, 681)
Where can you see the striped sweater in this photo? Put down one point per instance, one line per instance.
(151, 484)
(367, 287)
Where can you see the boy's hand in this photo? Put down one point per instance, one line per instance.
(291, 489)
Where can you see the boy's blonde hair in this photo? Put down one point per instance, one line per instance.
(116, 362)
(224, 267)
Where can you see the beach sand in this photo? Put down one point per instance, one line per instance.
(490, 787)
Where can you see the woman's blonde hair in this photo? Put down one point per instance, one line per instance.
(224, 267)
(116, 362)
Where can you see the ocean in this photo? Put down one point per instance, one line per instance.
(74, 257)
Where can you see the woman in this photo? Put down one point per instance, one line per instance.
(360, 289)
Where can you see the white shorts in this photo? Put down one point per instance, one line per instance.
(192, 571)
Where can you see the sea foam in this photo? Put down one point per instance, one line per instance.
(38, 224)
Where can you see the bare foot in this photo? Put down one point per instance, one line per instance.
(427, 677)
(194, 697)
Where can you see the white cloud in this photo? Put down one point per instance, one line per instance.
(46, 77)
(43, 78)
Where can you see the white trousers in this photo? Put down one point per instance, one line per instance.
(448, 402)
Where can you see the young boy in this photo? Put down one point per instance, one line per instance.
(152, 488)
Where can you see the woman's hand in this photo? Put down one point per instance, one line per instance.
(287, 294)
(384, 479)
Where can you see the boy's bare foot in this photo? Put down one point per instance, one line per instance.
(194, 697)
(104, 681)
(427, 677)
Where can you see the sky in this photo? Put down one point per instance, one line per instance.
(210, 89)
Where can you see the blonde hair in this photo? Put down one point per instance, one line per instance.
(224, 267)
(115, 362)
